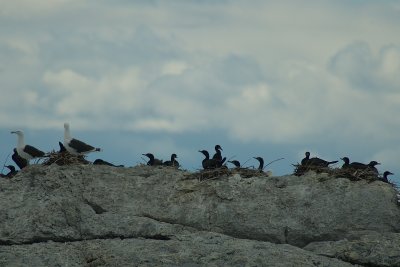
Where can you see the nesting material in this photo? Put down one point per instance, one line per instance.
(352, 174)
(216, 173)
(64, 158)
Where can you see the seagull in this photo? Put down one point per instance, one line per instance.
(26, 152)
(75, 146)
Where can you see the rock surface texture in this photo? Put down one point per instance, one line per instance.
(92, 215)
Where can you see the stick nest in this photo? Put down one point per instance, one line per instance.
(350, 173)
(210, 174)
(64, 158)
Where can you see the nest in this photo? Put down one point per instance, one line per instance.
(350, 173)
(216, 173)
(64, 158)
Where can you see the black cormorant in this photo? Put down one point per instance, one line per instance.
(360, 166)
(62, 148)
(218, 156)
(152, 161)
(208, 163)
(20, 161)
(385, 175)
(261, 165)
(103, 162)
(235, 162)
(12, 171)
(307, 161)
(173, 162)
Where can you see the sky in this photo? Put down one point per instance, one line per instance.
(260, 78)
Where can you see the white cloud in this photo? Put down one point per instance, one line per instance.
(255, 72)
(174, 68)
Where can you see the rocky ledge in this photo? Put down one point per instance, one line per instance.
(91, 215)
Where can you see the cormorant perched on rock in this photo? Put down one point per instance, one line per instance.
(20, 161)
(75, 146)
(218, 155)
(152, 161)
(173, 162)
(235, 162)
(103, 162)
(261, 165)
(62, 148)
(208, 163)
(346, 163)
(307, 161)
(371, 166)
(385, 175)
(26, 152)
(360, 166)
(12, 171)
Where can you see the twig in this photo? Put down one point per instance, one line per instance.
(272, 162)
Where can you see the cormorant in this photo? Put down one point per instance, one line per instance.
(307, 161)
(103, 162)
(75, 146)
(218, 156)
(208, 163)
(26, 152)
(152, 161)
(12, 171)
(173, 162)
(360, 166)
(62, 148)
(261, 166)
(385, 175)
(20, 161)
(235, 162)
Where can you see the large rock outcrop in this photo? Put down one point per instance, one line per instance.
(94, 215)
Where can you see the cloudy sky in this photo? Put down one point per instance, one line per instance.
(260, 78)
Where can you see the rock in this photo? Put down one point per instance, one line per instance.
(372, 249)
(200, 249)
(96, 205)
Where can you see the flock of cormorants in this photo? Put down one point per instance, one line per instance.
(23, 153)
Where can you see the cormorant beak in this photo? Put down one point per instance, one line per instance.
(13, 132)
(378, 163)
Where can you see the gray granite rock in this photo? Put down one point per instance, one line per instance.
(199, 249)
(84, 203)
(371, 249)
